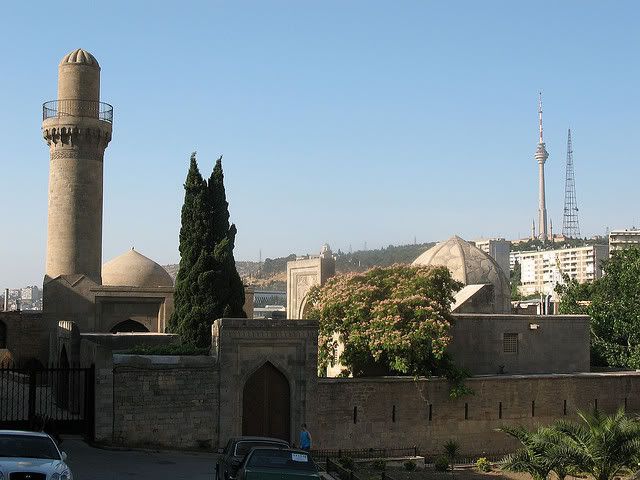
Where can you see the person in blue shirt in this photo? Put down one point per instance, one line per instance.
(305, 438)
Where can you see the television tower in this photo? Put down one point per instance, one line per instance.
(570, 225)
(541, 156)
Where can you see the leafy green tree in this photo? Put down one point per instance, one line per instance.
(392, 320)
(613, 302)
(207, 285)
(515, 279)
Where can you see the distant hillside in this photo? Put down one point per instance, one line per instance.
(272, 274)
(245, 269)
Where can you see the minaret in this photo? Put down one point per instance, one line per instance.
(533, 229)
(541, 156)
(77, 128)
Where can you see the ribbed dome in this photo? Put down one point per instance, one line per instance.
(469, 265)
(132, 269)
(81, 57)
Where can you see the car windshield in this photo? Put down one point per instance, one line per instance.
(242, 448)
(27, 446)
(283, 459)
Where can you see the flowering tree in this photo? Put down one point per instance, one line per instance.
(392, 320)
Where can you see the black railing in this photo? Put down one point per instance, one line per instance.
(368, 453)
(77, 108)
(347, 474)
(57, 400)
(343, 473)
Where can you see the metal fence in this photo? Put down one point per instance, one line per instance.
(368, 453)
(55, 400)
(77, 108)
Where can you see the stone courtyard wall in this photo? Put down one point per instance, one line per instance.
(165, 401)
(402, 412)
(28, 335)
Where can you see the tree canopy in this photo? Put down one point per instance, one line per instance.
(392, 320)
(207, 284)
(613, 302)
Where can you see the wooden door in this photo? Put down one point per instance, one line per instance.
(266, 404)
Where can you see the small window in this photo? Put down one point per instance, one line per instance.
(510, 343)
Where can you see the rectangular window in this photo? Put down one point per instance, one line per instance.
(431, 410)
(499, 409)
(466, 411)
(510, 343)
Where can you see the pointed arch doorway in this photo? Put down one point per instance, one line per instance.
(266, 404)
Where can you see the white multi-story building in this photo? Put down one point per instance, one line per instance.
(498, 249)
(542, 270)
(621, 239)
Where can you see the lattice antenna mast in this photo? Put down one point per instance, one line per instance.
(570, 225)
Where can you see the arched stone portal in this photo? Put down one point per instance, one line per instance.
(266, 404)
(129, 326)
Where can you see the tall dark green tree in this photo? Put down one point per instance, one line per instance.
(207, 285)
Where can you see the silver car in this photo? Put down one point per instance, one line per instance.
(31, 456)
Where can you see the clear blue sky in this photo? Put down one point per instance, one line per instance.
(340, 122)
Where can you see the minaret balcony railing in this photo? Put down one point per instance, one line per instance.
(77, 108)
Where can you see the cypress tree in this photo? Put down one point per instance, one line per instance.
(222, 240)
(207, 285)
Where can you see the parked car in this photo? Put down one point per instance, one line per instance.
(31, 455)
(235, 451)
(278, 463)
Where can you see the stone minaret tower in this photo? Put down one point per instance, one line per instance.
(541, 156)
(77, 128)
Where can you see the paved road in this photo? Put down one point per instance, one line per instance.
(88, 463)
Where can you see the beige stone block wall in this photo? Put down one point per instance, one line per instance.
(426, 417)
(169, 402)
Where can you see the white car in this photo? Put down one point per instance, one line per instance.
(31, 456)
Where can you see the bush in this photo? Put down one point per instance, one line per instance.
(441, 464)
(379, 464)
(170, 349)
(483, 464)
(346, 462)
(409, 465)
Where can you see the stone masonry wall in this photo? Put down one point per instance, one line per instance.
(401, 412)
(28, 335)
(169, 402)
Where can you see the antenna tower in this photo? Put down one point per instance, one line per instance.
(570, 225)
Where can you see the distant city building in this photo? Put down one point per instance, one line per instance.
(498, 249)
(270, 312)
(30, 294)
(264, 298)
(542, 270)
(621, 239)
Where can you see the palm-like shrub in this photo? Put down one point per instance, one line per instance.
(600, 445)
(537, 456)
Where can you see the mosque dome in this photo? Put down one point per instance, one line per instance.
(80, 57)
(132, 269)
(470, 266)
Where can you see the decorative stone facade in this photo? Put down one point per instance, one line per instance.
(302, 274)
(243, 346)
